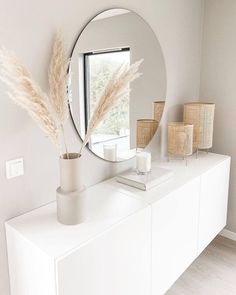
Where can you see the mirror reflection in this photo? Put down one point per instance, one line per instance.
(113, 38)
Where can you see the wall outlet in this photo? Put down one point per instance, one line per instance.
(14, 168)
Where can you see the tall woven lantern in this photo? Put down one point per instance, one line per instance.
(158, 108)
(201, 115)
(180, 139)
(146, 128)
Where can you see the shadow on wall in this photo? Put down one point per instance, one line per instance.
(175, 113)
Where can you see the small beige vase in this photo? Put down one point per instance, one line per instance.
(71, 202)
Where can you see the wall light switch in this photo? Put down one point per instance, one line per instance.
(14, 168)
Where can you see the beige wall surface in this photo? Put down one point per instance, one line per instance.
(218, 83)
(27, 27)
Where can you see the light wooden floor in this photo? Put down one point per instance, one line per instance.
(213, 273)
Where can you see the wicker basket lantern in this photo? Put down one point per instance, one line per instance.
(146, 128)
(201, 115)
(158, 108)
(180, 139)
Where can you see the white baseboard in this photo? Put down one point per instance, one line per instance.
(228, 234)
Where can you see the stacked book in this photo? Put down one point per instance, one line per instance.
(147, 181)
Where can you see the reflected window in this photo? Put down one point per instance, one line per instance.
(98, 70)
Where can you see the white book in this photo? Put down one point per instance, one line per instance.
(155, 177)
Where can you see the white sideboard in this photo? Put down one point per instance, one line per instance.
(133, 242)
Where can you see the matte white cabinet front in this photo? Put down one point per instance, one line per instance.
(213, 203)
(108, 254)
(116, 263)
(174, 235)
(132, 243)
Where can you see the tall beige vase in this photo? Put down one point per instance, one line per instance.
(71, 202)
(201, 115)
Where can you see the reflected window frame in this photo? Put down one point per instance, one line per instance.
(86, 79)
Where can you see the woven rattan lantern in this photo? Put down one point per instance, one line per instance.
(201, 115)
(158, 108)
(146, 128)
(180, 139)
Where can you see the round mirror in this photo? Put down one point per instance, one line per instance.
(113, 38)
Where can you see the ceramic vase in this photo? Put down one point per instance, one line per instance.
(71, 201)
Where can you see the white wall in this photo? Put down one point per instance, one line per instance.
(218, 83)
(27, 27)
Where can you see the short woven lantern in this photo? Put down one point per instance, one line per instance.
(146, 128)
(180, 139)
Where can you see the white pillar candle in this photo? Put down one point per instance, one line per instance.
(143, 162)
(110, 152)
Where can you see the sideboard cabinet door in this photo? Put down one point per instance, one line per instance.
(213, 203)
(116, 263)
(174, 235)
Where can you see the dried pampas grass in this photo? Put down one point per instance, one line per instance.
(117, 87)
(58, 81)
(50, 112)
(24, 91)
